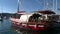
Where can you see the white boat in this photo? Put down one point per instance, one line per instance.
(1, 18)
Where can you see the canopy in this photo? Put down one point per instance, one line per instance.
(46, 12)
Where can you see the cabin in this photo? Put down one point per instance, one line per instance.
(39, 15)
(43, 14)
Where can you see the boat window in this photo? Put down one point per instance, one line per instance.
(53, 18)
(34, 18)
(43, 17)
(16, 15)
(49, 18)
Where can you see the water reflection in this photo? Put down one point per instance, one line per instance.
(5, 27)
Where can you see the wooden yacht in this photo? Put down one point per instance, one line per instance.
(37, 20)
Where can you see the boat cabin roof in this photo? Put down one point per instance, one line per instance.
(46, 12)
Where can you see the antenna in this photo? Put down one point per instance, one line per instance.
(1, 10)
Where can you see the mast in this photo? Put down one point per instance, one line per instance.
(1, 17)
(2, 11)
(53, 5)
(49, 4)
(56, 5)
(44, 4)
(18, 6)
(17, 10)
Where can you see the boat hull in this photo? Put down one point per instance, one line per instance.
(1, 19)
(24, 26)
(42, 26)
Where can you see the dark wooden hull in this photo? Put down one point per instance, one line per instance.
(30, 28)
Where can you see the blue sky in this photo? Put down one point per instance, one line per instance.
(10, 6)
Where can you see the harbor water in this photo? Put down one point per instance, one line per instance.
(6, 28)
